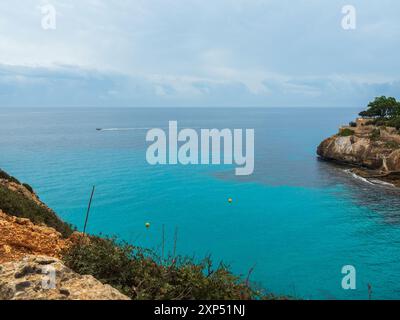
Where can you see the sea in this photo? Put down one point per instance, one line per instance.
(296, 221)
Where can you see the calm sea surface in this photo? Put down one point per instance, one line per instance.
(297, 219)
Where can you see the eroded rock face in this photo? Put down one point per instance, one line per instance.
(375, 151)
(19, 237)
(360, 151)
(22, 190)
(393, 161)
(47, 278)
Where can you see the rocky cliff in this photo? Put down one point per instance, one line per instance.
(20, 237)
(374, 151)
(47, 278)
(30, 247)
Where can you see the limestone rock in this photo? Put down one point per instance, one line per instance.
(22, 190)
(19, 237)
(358, 151)
(47, 278)
(374, 150)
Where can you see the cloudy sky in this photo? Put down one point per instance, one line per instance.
(198, 53)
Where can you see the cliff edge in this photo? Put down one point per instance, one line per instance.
(374, 151)
(47, 278)
(32, 240)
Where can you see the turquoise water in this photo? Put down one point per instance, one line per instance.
(297, 219)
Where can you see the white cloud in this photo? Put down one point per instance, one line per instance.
(71, 86)
(193, 52)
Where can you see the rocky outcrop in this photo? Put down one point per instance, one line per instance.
(22, 190)
(19, 237)
(374, 150)
(47, 278)
(20, 200)
(374, 155)
(30, 251)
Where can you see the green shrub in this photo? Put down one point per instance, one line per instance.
(382, 107)
(384, 122)
(27, 186)
(18, 205)
(346, 132)
(375, 134)
(4, 175)
(141, 274)
(395, 122)
(352, 124)
(381, 122)
(371, 122)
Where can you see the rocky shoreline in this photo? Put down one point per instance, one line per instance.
(372, 151)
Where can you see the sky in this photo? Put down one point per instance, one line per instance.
(198, 53)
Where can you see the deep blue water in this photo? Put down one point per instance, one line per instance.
(297, 219)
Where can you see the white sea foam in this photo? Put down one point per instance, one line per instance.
(357, 176)
(383, 183)
(370, 181)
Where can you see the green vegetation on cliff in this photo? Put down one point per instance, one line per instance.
(383, 111)
(346, 132)
(142, 274)
(4, 175)
(17, 204)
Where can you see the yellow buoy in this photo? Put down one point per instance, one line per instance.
(230, 200)
(147, 225)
